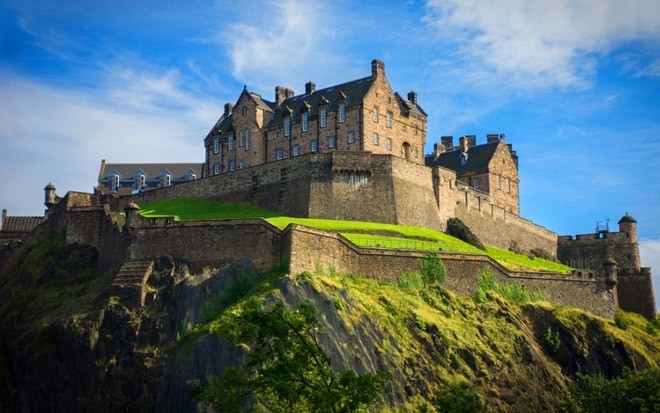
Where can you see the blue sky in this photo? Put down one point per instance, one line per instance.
(573, 84)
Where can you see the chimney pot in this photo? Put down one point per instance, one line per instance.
(412, 97)
(228, 108)
(471, 140)
(447, 142)
(463, 143)
(310, 87)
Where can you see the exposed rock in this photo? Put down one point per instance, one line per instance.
(456, 228)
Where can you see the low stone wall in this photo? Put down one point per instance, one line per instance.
(302, 245)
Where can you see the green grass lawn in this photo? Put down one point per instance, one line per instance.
(363, 234)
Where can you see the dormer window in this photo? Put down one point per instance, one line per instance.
(305, 121)
(463, 158)
(323, 114)
(140, 181)
(114, 183)
(287, 126)
(166, 180)
(191, 176)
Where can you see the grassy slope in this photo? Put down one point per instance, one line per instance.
(430, 338)
(361, 233)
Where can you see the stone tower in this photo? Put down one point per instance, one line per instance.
(628, 249)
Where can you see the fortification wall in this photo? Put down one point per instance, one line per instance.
(207, 243)
(495, 226)
(303, 244)
(415, 197)
(635, 292)
(590, 250)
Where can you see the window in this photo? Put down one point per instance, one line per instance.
(305, 122)
(230, 142)
(296, 150)
(241, 164)
(508, 185)
(476, 183)
(166, 180)
(388, 119)
(191, 176)
(287, 126)
(314, 146)
(232, 165)
(332, 142)
(375, 138)
(216, 169)
(140, 181)
(244, 110)
(375, 114)
(247, 140)
(324, 117)
(241, 139)
(351, 137)
(388, 143)
(279, 154)
(499, 182)
(216, 145)
(114, 183)
(342, 112)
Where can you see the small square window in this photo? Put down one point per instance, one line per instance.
(232, 165)
(476, 183)
(351, 137)
(216, 169)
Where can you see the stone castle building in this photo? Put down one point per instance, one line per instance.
(353, 151)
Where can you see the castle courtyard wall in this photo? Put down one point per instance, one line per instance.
(635, 292)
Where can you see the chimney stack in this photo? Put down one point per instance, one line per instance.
(412, 97)
(447, 142)
(472, 140)
(310, 87)
(288, 93)
(280, 95)
(228, 108)
(377, 68)
(438, 149)
(463, 143)
(492, 137)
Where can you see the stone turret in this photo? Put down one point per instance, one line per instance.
(50, 198)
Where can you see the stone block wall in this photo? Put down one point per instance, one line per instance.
(635, 292)
(591, 250)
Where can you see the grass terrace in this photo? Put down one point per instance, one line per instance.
(363, 234)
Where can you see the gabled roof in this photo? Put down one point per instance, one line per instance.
(20, 224)
(226, 124)
(479, 157)
(410, 107)
(354, 92)
(151, 170)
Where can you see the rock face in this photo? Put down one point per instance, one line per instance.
(72, 346)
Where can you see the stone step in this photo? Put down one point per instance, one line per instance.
(130, 281)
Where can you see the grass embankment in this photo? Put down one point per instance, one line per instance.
(363, 234)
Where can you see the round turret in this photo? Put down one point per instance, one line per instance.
(628, 225)
(50, 199)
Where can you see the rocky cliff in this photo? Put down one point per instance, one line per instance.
(72, 339)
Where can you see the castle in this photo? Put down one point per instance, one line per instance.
(353, 151)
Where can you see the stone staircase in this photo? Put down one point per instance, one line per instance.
(130, 282)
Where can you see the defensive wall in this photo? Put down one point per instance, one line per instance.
(590, 250)
(358, 185)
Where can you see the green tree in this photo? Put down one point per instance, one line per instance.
(460, 398)
(285, 367)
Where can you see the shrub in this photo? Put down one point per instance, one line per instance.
(433, 270)
(512, 292)
(411, 280)
(552, 340)
(460, 398)
(621, 320)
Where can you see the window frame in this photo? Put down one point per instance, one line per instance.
(279, 154)
(342, 112)
(323, 115)
(388, 119)
(314, 146)
(305, 121)
(351, 137)
(332, 142)
(287, 126)
(376, 139)
(216, 145)
(375, 114)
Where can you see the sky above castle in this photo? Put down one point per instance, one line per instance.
(573, 84)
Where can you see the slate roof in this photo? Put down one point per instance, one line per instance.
(479, 157)
(151, 170)
(20, 224)
(627, 218)
(353, 91)
(408, 106)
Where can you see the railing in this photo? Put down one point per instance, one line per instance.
(374, 241)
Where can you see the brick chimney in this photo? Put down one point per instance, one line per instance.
(280, 95)
(472, 140)
(310, 87)
(377, 68)
(438, 149)
(288, 93)
(492, 137)
(228, 108)
(412, 97)
(447, 142)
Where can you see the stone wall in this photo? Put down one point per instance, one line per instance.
(635, 292)
(591, 250)
(497, 227)
(207, 243)
(302, 245)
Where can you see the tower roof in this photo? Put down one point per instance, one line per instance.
(627, 218)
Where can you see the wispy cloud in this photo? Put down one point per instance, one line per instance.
(536, 43)
(278, 45)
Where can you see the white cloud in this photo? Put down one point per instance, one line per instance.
(540, 43)
(279, 45)
(650, 252)
(56, 134)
